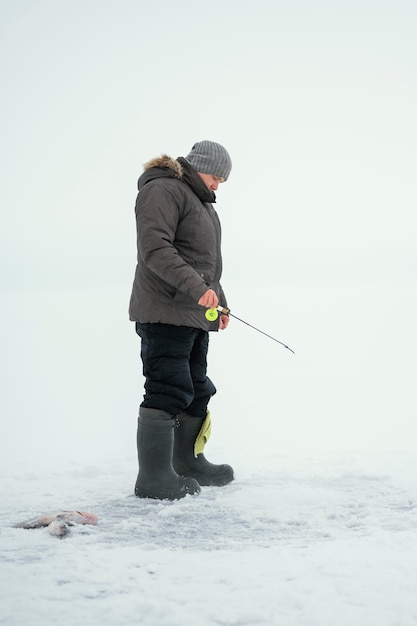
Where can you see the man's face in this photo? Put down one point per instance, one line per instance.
(212, 182)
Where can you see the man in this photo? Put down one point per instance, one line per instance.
(177, 280)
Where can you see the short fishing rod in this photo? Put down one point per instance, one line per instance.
(213, 314)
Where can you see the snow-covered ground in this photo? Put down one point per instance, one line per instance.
(316, 103)
(330, 540)
(318, 529)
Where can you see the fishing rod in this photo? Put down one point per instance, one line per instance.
(213, 314)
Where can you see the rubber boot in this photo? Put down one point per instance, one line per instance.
(157, 478)
(188, 458)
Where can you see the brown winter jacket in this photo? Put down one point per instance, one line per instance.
(178, 241)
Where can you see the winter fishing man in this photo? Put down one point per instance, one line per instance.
(177, 280)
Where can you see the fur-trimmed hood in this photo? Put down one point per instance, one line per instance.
(164, 161)
(179, 169)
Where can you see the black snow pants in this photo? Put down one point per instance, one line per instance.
(175, 368)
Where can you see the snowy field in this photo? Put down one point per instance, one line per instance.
(314, 541)
(316, 103)
(309, 534)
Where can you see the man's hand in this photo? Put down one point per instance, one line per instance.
(223, 321)
(209, 299)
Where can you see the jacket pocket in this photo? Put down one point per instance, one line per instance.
(205, 275)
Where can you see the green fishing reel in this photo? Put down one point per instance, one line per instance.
(211, 315)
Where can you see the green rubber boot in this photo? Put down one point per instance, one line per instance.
(155, 440)
(191, 435)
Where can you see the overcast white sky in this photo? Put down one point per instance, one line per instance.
(316, 102)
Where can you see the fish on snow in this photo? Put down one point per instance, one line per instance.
(58, 524)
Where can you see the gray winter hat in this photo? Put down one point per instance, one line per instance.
(209, 157)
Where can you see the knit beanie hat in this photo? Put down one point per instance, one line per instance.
(209, 157)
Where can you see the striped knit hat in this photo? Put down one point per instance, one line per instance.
(209, 157)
